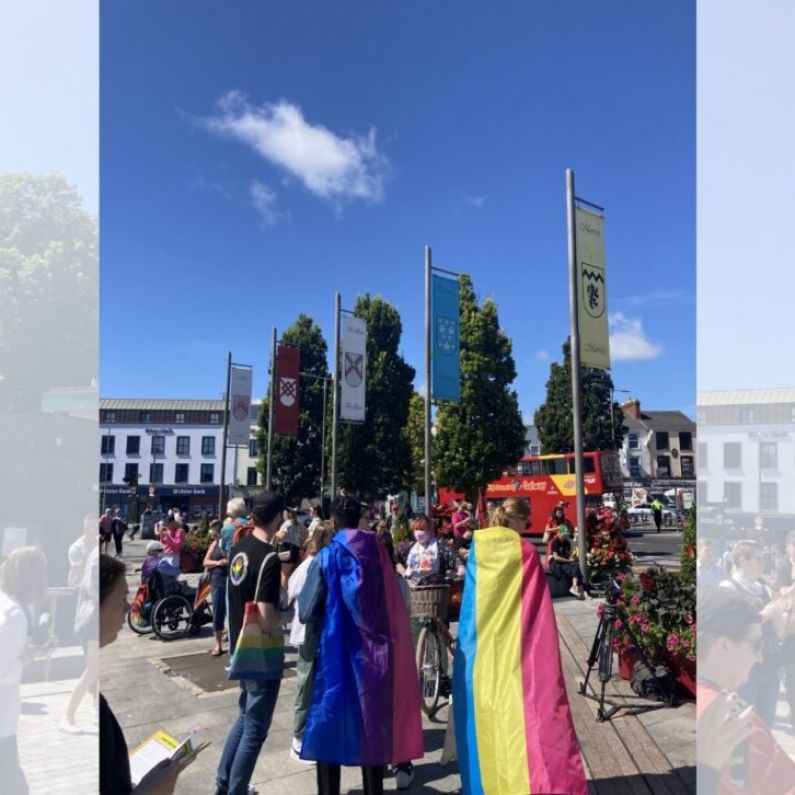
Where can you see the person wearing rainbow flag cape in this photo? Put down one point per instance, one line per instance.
(513, 727)
(365, 705)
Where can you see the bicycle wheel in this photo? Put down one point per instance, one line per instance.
(138, 622)
(429, 652)
(171, 617)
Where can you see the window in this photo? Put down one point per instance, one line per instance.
(587, 460)
(746, 415)
(685, 440)
(792, 414)
(155, 473)
(207, 473)
(253, 449)
(106, 473)
(215, 418)
(634, 467)
(702, 456)
(768, 496)
(732, 494)
(663, 466)
(183, 445)
(688, 471)
(529, 468)
(108, 445)
(701, 492)
(144, 416)
(554, 466)
(251, 476)
(110, 416)
(133, 445)
(181, 473)
(130, 472)
(732, 455)
(633, 441)
(661, 440)
(208, 446)
(179, 417)
(534, 449)
(158, 444)
(768, 455)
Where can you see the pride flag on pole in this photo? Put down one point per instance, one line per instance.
(445, 328)
(514, 731)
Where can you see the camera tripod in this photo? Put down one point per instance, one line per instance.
(602, 654)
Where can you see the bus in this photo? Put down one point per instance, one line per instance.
(545, 480)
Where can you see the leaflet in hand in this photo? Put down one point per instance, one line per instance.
(158, 748)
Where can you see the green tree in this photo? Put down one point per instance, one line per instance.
(477, 438)
(296, 459)
(415, 433)
(374, 458)
(48, 284)
(553, 419)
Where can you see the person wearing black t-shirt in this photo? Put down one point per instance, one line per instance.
(257, 696)
(561, 564)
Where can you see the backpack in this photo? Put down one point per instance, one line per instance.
(655, 686)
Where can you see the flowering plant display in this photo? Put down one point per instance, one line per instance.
(608, 557)
(660, 607)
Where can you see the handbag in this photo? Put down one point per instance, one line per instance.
(257, 654)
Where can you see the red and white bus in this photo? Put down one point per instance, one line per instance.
(545, 480)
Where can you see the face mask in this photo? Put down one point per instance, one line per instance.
(422, 536)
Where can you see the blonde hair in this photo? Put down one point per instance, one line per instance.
(511, 511)
(23, 575)
(319, 538)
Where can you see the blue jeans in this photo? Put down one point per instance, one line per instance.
(248, 733)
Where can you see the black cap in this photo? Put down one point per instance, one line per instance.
(267, 506)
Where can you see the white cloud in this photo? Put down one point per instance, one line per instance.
(656, 297)
(628, 341)
(475, 201)
(542, 355)
(333, 167)
(264, 201)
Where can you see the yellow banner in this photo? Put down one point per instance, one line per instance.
(592, 290)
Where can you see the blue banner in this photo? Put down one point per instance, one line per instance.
(445, 324)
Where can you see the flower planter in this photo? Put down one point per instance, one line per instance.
(189, 562)
(683, 670)
(626, 661)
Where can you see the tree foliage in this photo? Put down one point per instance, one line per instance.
(480, 436)
(48, 284)
(415, 433)
(296, 459)
(553, 419)
(374, 458)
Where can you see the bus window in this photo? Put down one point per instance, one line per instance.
(529, 468)
(590, 466)
(554, 466)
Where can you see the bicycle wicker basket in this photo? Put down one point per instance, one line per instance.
(430, 601)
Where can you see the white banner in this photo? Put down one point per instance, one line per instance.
(354, 366)
(240, 406)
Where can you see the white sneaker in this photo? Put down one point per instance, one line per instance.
(404, 777)
(295, 752)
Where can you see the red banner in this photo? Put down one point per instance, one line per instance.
(285, 409)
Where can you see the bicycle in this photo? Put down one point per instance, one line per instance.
(431, 603)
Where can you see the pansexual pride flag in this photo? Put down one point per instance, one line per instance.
(365, 705)
(514, 732)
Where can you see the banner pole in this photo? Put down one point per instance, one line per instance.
(428, 503)
(323, 445)
(221, 488)
(335, 414)
(271, 405)
(582, 534)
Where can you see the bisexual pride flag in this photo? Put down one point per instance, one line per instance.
(365, 703)
(514, 731)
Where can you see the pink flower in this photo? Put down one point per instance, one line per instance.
(619, 624)
(644, 628)
(635, 601)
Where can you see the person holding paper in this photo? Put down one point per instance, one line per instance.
(114, 761)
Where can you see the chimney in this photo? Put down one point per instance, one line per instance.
(631, 407)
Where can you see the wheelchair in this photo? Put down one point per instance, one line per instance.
(169, 608)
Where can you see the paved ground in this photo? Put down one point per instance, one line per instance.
(147, 693)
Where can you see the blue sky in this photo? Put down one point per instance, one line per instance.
(256, 159)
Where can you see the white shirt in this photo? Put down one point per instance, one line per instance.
(78, 555)
(294, 586)
(13, 639)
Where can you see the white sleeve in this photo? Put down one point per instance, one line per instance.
(13, 638)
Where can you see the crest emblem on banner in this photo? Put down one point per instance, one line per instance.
(354, 369)
(593, 289)
(446, 335)
(240, 407)
(288, 391)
